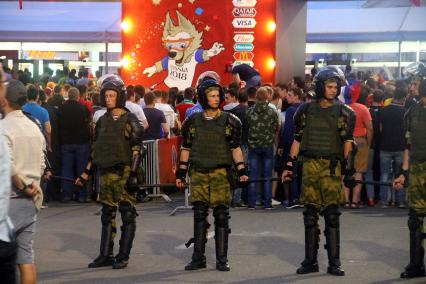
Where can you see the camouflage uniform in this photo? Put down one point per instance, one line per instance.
(417, 188)
(416, 195)
(202, 182)
(115, 164)
(321, 189)
(210, 142)
(322, 133)
(113, 187)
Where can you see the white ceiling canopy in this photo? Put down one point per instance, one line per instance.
(60, 21)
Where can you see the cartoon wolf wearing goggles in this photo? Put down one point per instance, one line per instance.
(183, 44)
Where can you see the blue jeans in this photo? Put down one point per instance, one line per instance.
(388, 172)
(254, 81)
(74, 161)
(260, 158)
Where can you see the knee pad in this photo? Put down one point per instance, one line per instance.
(221, 216)
(128, 212)
(415, 222)
(331, 216)
(201, 210)
(108, 213)
(310, 216)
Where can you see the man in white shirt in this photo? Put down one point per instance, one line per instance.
(25, 145)
(132, 107)
(168, 111)
(7, 243)
(136, 109)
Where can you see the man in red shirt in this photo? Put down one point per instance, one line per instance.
(188, 101)
(83, 96)
(363, 135)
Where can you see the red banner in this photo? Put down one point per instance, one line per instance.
(168, 158)
(168, 43)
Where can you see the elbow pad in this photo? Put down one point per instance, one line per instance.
(233, 131)
(299, 120)
(136, 132)
(188, 131)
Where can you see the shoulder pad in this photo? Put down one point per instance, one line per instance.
(131, 117)
(302, 109)
(347, 111)
(233, 120)
(190, 119)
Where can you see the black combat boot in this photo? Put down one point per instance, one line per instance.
(201, 227)
(221, 242)
(128, 216)
(106, 256)
(416, 268)
(310, 263)
(332, 236)
(221, 217)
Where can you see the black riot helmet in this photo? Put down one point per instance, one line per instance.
(322, 77)
(114, 83)
(415, 71)
(204, 87)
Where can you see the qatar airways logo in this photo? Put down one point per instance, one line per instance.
(244, 38)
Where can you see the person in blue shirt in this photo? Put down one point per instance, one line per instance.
(32, 108)
(284, 144)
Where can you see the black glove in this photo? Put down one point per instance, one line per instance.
(405, 173)
(289, 165)
(242, 172)
(181, 174)
(132, 183)
(349, 179)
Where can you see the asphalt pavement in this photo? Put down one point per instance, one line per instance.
(266, 246)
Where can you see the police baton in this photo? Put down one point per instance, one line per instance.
(264, 179)
(66, 179)
(148, 185)
(373, 182)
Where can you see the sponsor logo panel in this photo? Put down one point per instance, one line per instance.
(244, 3)
(239, 62)
(245, 23)
(244, 12)
(243, 47)
(242, 55)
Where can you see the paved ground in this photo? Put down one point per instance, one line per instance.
(265, 247)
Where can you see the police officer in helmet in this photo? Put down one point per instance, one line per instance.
(210, 148)
(117, 155)
(323, 141)
(413, 171)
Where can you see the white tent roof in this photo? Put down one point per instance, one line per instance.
(373, 24)
(100, 22)
(60, 21)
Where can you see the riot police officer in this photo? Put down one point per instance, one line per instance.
(414, 171)
(323, 141)
(210, 148)
(117, 156)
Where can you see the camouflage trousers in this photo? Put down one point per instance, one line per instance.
(211, 187)
(112, 187)
(416, 194)
(319, 188)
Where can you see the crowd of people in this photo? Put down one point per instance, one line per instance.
(51, 124)
(56, 102)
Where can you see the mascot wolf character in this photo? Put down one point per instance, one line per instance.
(183, 44)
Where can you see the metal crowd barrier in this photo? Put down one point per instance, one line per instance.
(151, 167)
